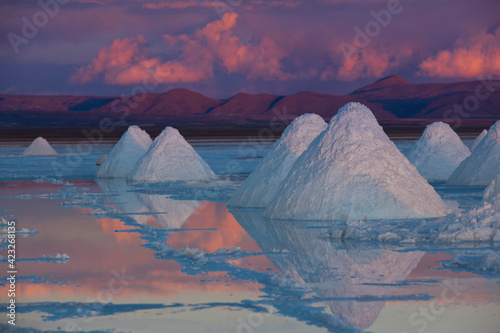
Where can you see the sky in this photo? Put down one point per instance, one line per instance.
(223, 47)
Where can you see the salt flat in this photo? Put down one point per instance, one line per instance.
(142, 255)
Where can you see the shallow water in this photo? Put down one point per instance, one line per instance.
(141, 260)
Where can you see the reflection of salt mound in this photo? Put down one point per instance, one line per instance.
(483, 165)
(39, 147)
(171, 158)
(493, 190)
(479, 138)
(121, 160)
(353, 171)
(259, 188)
(168, 213)
(123, 198)
(178, 211)
(438, 152)
(332, 269)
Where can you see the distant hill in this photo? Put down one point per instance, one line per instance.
(246, 105)
(396, 102)
(325, 105)
(26, 103)
(173, 102)
(429, 100)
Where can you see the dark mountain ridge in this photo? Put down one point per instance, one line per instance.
(396, 102)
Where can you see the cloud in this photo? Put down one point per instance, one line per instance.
(478, 56)
(177, 4)
(126, 61)
(368, 63)
(268, 4)
(225, 5)
(114, 62)
(217, 41)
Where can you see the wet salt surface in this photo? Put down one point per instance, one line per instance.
(77, 160)
(142, 262)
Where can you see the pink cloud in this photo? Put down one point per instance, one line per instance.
(369, 62)
(112, 61)
(218, 41)
(481, 58)
(126, 61)
(177, 4)
(270, 4)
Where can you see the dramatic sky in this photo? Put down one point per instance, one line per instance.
(221, 47)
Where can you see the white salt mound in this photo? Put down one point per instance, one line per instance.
(493, 190)
(480, 223)
(171, 158)
(123, 157)
(483, 165)
(260, 187)
(479, 138)
(353, 171)
(39, 147)
(488, 262)
(438, 152)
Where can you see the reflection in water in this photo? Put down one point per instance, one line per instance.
(96, 249)
(309, 282)
(332, 270)
(120, 195)
(168, 213)
(178, 211)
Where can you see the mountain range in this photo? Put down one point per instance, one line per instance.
(396, 102)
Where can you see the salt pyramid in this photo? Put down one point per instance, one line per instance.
(479, 138)
(123, 157)
(353, 171)
(483, 165)
(171, 158)
(438, 152)
(259, 188)
(39, 147)
(493, 190)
